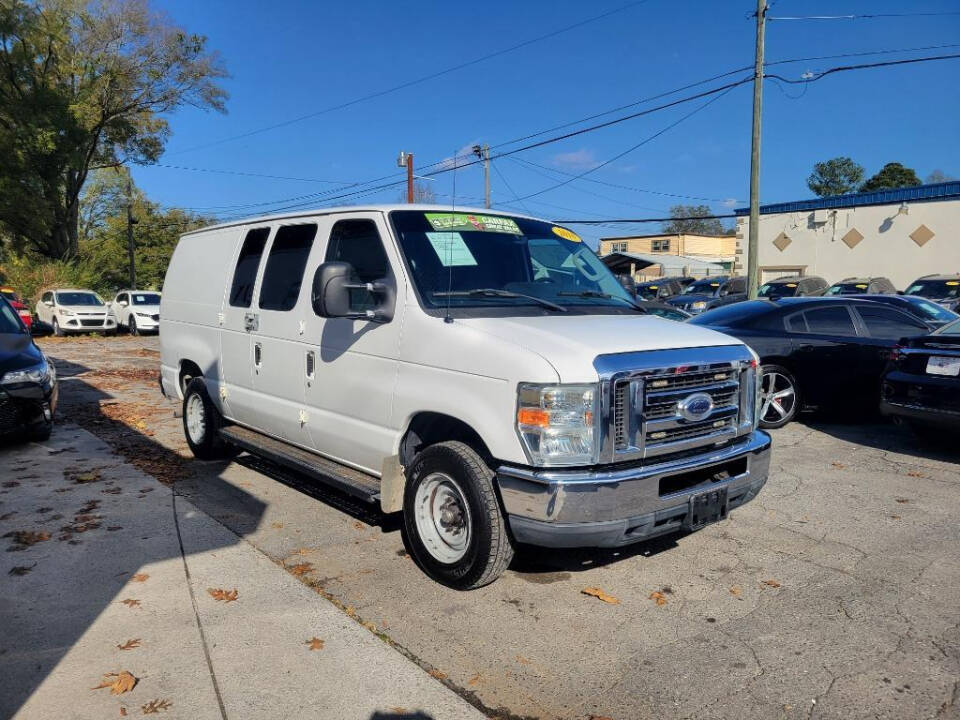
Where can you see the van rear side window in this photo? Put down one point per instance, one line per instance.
(284, 274)
(241, 292)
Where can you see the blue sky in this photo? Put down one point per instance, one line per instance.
(288, 59)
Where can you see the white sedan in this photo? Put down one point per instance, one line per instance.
(137, 311)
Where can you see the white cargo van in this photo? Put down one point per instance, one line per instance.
(483, 373)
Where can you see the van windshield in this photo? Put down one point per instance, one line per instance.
(480, 260)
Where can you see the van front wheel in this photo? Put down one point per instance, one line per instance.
(202, 422)
(455, 529)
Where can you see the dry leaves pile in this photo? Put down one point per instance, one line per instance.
(600, 595)
(22, 539)
(119, 683)
(221, 595)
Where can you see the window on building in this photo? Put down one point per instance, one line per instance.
(618, 247)
(661, 246)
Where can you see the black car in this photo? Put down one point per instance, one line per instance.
(28, 381)
(862, 286)
(808, 286)
(711, 292)
(922, 383)
(942, 289)
(933, 314)
(662, 288)
(815, 352)
(664, 310)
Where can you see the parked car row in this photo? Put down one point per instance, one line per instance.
(28, 381)
(837, 352)
(73, 311)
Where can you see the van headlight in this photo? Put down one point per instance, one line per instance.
(557, 423)
(39, 374)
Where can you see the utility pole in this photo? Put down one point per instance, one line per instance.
(483, 152)
(130, 223)
(754, 232)
(406, 160)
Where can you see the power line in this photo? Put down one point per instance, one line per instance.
(616, 221)
(865, 66)
(417, 81)
(496, 169)
(864, 16)
(243, 173)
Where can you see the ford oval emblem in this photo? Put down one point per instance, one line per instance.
(695, 407)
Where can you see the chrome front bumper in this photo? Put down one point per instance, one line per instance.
(604, 508)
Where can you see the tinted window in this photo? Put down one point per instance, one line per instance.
(951, 329)
(707, 286)
(932, 310)
(241, 292)
(796, 323)
(284, 274)
(777, 290)
(935, 288)
(739, 285)
(885, 322)
(830, 321)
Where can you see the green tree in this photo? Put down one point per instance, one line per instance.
(693, 219)
(836, 176)
(86, 84)
(892, 175)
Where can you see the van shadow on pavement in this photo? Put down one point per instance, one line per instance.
(103, 523)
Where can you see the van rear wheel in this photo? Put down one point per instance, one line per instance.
(202, 422)
(454, 526)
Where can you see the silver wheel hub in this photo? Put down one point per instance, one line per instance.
(777, 397)
(443, 518)
(196, 419)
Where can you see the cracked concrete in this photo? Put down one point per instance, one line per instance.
(833, 595)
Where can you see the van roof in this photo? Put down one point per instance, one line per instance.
(357, 208)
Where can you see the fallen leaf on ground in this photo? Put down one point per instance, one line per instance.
(358, 525)
(131, 603)
(276, 526)
(155, 706)
(735, 590)
(398, 710)
(25, 538)
(523, 661)
(600, 595)
(771, 583)
(10, 484)
(903, 500)
(658, 597)
(839, 465)
(475, 680)
(599, 717)
(315, 643)
(130, 644)
(895, 517)
(123, 711)
(369, 626)
(224, 595)
(119, 683)
(301, 569)
(21, 569)
(302, 551)
(82, 478)
(438, 675)
(914, 473)
(140, 577)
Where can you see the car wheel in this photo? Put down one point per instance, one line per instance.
(779, 396)
(132, 325)
(42, 433)
(454, 527)
(202, 422)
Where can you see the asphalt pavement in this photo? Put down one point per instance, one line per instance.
(833, 595)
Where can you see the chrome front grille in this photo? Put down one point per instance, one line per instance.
(645, 415)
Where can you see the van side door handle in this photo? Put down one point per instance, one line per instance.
(311, 364)
(251, 322)
(257, 355)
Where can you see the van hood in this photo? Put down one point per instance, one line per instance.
(570, 343)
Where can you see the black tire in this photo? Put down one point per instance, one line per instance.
(771, 417)
(488, 546)
(56, 328)
(132, 325)
(205, 441)
(42, 433)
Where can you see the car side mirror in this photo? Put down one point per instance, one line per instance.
(38, 328)
(332, 297)
(123, 303)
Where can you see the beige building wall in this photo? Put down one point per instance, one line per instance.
(898, 241)
(723, 246)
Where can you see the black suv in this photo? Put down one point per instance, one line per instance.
(793, 287)
(28, 381)
(942, 289)
(662, 288)
(710, 292)
(862, 286)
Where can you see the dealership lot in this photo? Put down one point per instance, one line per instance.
(831, 595)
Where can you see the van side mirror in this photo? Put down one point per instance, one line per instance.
(38, 328)
(332, 297)
(48, 303)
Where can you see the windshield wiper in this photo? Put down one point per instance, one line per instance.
(605, 296)
(496, 292)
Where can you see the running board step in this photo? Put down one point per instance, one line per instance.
(353, 482)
